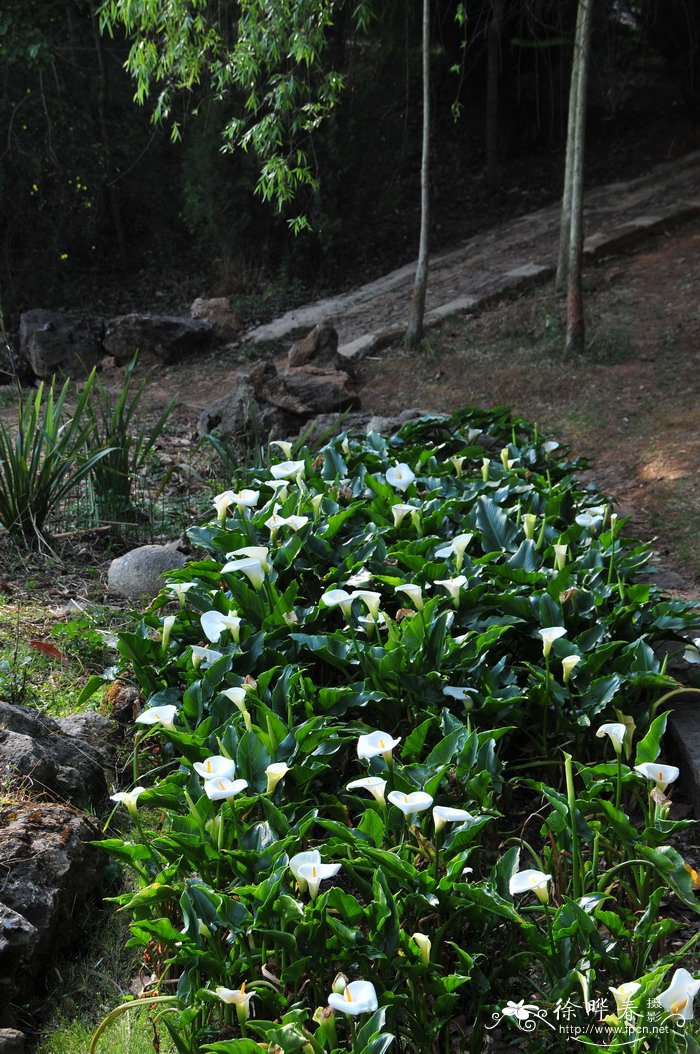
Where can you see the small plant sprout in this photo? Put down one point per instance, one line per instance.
(373, 744)
(129, 799)
(359, 997)
(662, 775)
(453, 586)
(251, 568)
(549, 635)
(568, 664)
(677, 999)
(167, 628)
(179, 590)
(442, 814)
(158, 715)
(374, 784)
(561, 552)
(223, 789)
(616, 732)
(288, 470)
(414, 594)
(424, 944)
(529, 522)
(274, 773)
(315, 874)
(214, 624)
(400, 477)
(239, 998)
(309, 856)
(216, 767)
(624, 995)
(410, 804)
(531, 881)
(339, 598)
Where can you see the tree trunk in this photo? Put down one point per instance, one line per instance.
(565, 229)
(414, 333)
(575, 326)
(492, 91)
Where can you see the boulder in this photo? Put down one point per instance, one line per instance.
(49, 871)
(217, 311)
(137, 574)
(11, 1041)
(319, 346)
(55, 343)
(317, 390)
(70, 757)
(245, 410)
(168, 337)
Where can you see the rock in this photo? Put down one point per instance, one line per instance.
(11, 1041)
(49, 871)
(319, 391)
(388, 426)
(326, 426)
(169, 337)
(244, 410)
(320, 345)
(137, 574)
(684, 732)
(55, 343)
(217, 311)
(122, 702)
(68, 757)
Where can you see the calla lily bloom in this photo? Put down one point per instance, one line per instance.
(549, 635)
(400, 477)
(372, 744)
(374, 784)
(288, 470)
(361, 578)
(424, 944)
(238, 696)
(623, 996)
(410, 804)
(204, 657)
(550, 446)
(591, 519)
(567, 664)
(275, 522)
(275, 772)
(237, 997)
(462, 695)
(456, 548)
(485, 466)
(251, 568)
(370, 599)
(314, 874)
(214, 624)
(531, 881)
(401, 511)
(457, 462)
(316, 504)
(560, 554)
(358, 998)
(179, 589)
(616, 732)
(216, 767)
(442, 815)
(223, 789)
(280, 488)
(453, 586)
(506, 460)
(678, 998)
(128, 798)
(662, 775)
(473, 434)
(168, 623)
(284, 447)
(254, 552)
(529, 521)
(222, 502)
(158, 715)
(414, 594)
(310, 856)
(339, 598)
(691, 654)
(246, 498)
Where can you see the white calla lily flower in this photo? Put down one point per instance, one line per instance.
(414, 594)
(274, 773)
(372, 744)
(309, 856)
(280, 488)
(623, 996)
(253, 552)
(550, 446)
(370, 599)
(251, 568)
(288, 470)
(214, 623)
(453, 586)
(238, 697)
(442, 814)
(374, 784)
(158, 715)
(410, 804)
(216, 767)
(485, 468)
(531, 881)
(179, 590)
(223, 789)
(567, 664)
(400, 511)
(549, 634)
(315, 874)
(560, 555)
(662, 775)
(615, 730)
(400, 477)
(678, 998)
(128, 798)
(339, 598)
(457, 462)
(424, 945)
(237, 997)
(359, 997)
(462, 695)
(168, 623)
(691, 655)
(529, 522)
(204, 657)
(222, 502)
(284, 447)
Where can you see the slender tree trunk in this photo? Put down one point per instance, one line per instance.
(492, 91)
(575, 324)
(414, 333)
(565, 229)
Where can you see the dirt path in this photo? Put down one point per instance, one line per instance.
(478, 268)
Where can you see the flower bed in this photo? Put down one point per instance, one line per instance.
(401, 734)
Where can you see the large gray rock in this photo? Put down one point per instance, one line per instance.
(55, 343)
(11, 1041)
(74, 757)
(168, 337)
(137, 574)
(49, 871)
(317, 390)
(320, 346)
(219, 313)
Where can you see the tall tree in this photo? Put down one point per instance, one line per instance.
(493, 42)
(414, 333)
(571, 242)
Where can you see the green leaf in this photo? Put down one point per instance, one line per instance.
(252, 760)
